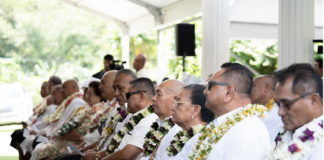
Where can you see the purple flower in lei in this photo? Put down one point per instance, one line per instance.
(308, 135)
(293, 148)
(123, 114)
(321, 124)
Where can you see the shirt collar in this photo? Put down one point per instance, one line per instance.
(160, 122)
(223, 117)
(140, 111)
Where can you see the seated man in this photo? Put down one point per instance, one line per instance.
(32, 140)
(37, 118)
(299, 95)
(238, 131)
(62, 115)
(163, 100)
(116, 120)
(263, 93)
(139, 95)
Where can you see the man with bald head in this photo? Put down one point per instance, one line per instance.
(162, 105)
(263, 93)
(138, 65)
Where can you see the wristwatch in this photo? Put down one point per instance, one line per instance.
(98, 156)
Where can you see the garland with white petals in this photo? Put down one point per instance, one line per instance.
(181, 138)
(59, 111)
(155, 135)
(299, 147)
(129, 126)
(212, 134)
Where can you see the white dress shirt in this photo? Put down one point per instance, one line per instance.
(161, 153)
(137, 135)
(67, 113)
(142, 73)
(246, 140)
(316, 152)
(273, 122)
(26, 145)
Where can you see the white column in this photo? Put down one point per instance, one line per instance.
(125, 49)
(296, 32)
(159, 57)
(215, 40)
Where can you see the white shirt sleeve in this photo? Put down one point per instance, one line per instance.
(248, 139)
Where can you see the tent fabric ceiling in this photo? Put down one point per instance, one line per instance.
(135, 14)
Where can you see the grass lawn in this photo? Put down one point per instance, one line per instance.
(9, 157)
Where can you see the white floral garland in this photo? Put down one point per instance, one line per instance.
(103, 114)
(211, 134)
(298, 147)
(109, 129)
(129, 126)
(59, 111)
(42, 107)
(84, 112)
(181, 138)
(155, 134)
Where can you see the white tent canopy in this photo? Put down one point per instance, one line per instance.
(248, 18)
(301, 21)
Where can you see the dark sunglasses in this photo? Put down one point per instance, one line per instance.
(128, 94)
(210, 82)
(287, 103)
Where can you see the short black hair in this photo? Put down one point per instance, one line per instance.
(95, 85)
(126, 72)
(143, 84)
(56, 80)
(197, 97)
(109, 57)
(305, 79)
(238, 76)
(320, 63)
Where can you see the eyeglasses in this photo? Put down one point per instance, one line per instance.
(128, 94)
(88, 94)
(175, 103)
(210, 82)
(287, 103)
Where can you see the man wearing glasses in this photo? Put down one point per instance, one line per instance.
(299, 95)
(139, 95)
(229, 90)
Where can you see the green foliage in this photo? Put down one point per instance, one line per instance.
(261, 55)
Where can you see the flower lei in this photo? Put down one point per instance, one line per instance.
(181, 138)
(129, 126)
(103, 114)
(297, 148)
(58, 112)
(155, 135)
(81, 113)
(269, 105)
(42, 106)
(119, 117)
(212, 134)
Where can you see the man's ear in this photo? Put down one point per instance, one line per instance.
(267, 87)
(230, 92)
(316, 100)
